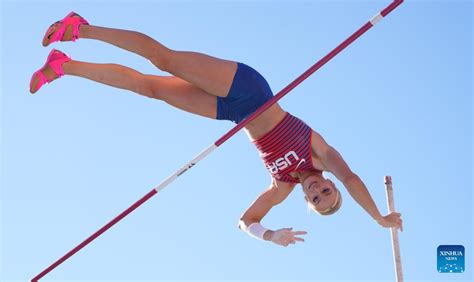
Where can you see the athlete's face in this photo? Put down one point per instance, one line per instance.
(320, 193)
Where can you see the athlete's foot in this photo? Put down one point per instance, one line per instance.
(50, 75)
(67, 29)
(52, 69)
(67, 34)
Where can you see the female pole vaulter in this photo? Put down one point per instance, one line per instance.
(224, 90)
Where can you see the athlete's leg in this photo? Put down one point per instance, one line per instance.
(173, 90)
(208, 73)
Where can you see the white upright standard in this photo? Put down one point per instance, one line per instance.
(395, 243)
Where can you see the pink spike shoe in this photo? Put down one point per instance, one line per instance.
(73, 19)
(55, 60)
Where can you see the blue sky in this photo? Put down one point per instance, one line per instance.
(397, 102)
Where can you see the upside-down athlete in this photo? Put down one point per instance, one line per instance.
(224, 90)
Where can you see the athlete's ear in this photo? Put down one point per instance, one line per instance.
(305, 198)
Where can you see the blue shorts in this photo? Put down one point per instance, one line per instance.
(249, 91)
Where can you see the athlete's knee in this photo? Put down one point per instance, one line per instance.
(145, 86)
(161, 58)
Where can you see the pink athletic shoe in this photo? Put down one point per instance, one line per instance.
(55, 60)
(72, 18)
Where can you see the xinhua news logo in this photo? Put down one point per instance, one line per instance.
(450, 259)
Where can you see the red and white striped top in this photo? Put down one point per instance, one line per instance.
(287, 148)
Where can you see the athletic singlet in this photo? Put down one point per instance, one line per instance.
(287, 148)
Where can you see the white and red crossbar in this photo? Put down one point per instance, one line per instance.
(224, 138)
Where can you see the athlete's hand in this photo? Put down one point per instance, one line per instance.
(392, 220)
(286, 236)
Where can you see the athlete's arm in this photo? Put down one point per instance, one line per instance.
(275, 194)
(334, 163)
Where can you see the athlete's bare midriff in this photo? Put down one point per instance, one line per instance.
(265, 122)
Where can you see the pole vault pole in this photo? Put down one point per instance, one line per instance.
(397, 260)
(225, 137)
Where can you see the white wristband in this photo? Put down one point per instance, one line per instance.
(256, 230)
